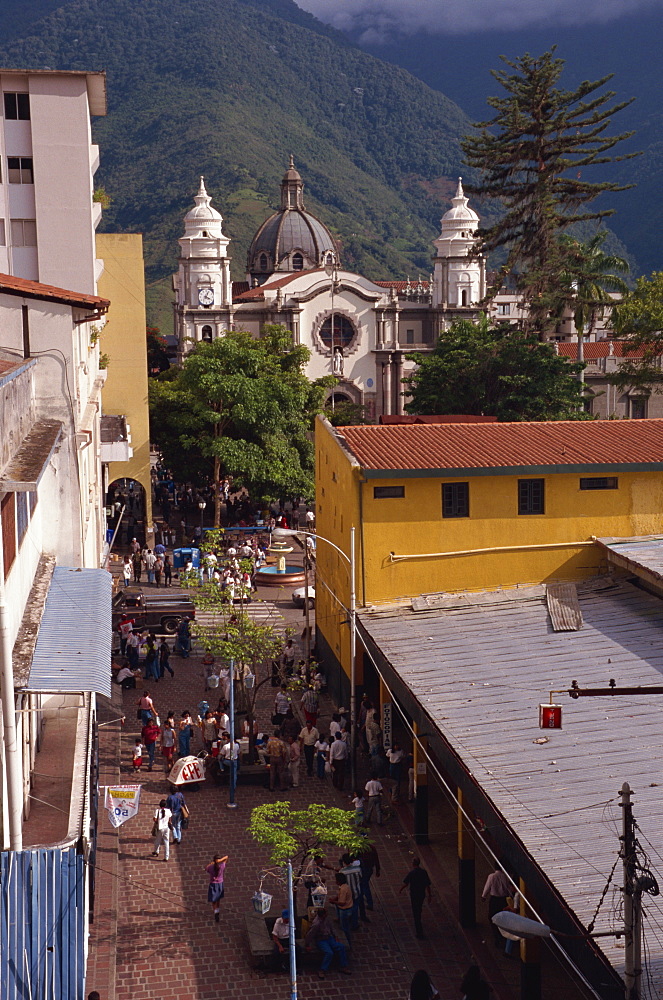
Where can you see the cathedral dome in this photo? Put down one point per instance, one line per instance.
(460, 215)
(292, 239)
(203, 220)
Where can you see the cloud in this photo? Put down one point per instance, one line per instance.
(377, 21)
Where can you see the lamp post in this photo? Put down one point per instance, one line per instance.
(232, 779)
(201, 505)
(350, 561)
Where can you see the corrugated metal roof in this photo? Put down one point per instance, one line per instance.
(480, 664)
(73, 650)
(642, 556)
(554, 444)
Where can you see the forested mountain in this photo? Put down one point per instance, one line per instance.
(229, 88)
(629, 46)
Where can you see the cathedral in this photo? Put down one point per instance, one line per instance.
(355, 329)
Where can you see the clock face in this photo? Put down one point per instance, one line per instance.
(206, 296)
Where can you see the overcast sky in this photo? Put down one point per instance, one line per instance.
(385, 18)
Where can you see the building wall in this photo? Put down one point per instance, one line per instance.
(57, 137)
(123, 339)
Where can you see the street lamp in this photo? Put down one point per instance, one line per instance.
(201, 505)
(350, 561)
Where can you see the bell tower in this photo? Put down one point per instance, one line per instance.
(203, 290)
(459, 279)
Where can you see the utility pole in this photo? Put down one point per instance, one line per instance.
(632, 899)
(307, 626)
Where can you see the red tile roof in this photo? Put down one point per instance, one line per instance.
(258, 291)
(445, 418)
(601, 349)
(506, 446)
(401, 286)
(11, 285)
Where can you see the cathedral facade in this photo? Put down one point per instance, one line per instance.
(356, 329)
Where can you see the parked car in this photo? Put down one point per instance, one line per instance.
(299, 597)
(162, 612)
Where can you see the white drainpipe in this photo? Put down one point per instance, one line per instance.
(12, 753)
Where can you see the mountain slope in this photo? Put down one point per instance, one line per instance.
(229, 89)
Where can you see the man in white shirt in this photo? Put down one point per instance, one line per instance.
(210, 564)
(373, 790)
(226, 755)
(281, 939)
(338, 755)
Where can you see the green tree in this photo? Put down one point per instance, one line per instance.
(638, 319)
(346, 414)
(157, 357)
(494, 371)
(590, 280)
(243, 407)
(299, 834)
(533, 155)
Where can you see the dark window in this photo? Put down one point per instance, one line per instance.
(388, 492)
(599, 483)
(21, 515)
(8, 516)
(17, 107)
(455, 500)
(344, 331)
(206, 333)
(463, 297)
(638, 408)
(19, 170)
(297, 262)
(530, 496)
(24, 232)
(263, 263)
(409, 336)
(588, 404)
(32, 501)
(3, 238)
(503, 308)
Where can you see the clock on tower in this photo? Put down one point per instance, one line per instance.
(206, 296)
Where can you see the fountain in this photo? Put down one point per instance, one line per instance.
(282, 573)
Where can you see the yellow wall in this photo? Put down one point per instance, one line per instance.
(414, 524)
(123, 339)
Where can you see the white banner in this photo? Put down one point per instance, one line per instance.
(122, 802)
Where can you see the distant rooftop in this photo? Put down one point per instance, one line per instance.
(95, 81)
(25, 288)
(507, 448)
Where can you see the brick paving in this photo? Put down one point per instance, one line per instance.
(166, 943)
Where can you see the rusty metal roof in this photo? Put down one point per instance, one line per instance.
(507, 448)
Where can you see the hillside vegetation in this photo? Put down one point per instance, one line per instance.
(228, 89)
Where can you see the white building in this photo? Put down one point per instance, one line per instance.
(355, 328)
(47, 166)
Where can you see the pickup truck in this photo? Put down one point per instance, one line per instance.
(162, 612)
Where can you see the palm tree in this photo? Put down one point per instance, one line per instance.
(589, 278)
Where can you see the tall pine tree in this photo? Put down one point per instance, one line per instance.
(533, 156)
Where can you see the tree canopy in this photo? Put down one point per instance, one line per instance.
(243, 407)
(590, 279)
(299, 834)
(495, 371)
(638, 319)
(533, 155)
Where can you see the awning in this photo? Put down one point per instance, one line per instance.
(73, 650)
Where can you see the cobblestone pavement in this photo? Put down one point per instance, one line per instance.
(167, 945)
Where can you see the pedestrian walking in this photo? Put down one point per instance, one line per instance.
(151, 663)
(321, 936)
(185, 733)
(369, 865)
(278, 762)
(125, 628)
(338, 756)
(373, 790)
(137, 563)
(138, 755)
(150, 734)
(344, 905)
(395, 758)
(358, 803)
(133, 650)
(184, 638)
(321, 757)
(281, 705)
(308, 737)
(149, 562)
(146, 708)
(309, 703)
(167, 571)
(421, 987)
(496, 890)
(161, 830)
(158, 570)
(168, 744)
(473, 986)
(127, 570)
(208, 728)
(215, 890)
(294, 754)
(164, 658)
(178, 807)
(418, 883)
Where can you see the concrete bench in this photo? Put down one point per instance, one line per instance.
(261, 945)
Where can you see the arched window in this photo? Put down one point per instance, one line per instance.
(204, 232)
(263, 263)
(344, 331)
(206, 333)
(463, 297)
(297, 262)
(329, 258)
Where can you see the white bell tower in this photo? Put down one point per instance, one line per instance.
(203, 290)
(459, 278)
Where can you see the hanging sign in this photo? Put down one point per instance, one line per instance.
(122, 802)
(386, 725)
(550, 716)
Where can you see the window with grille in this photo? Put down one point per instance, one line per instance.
(8, 517)
(388, 492)
(297, 262)
(599, 483)
(344, 331)
(455, 500)
(638, 407)
(19, 170)
(17, 107)
(531, 496)
(21, 515)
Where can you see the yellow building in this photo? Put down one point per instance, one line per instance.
(123, 340)
(472, 506)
